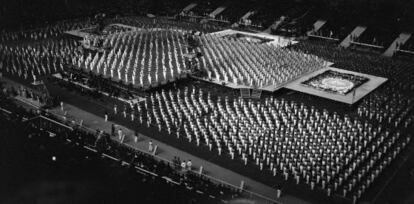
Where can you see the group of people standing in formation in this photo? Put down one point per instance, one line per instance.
(283, 138)
(251, 64)
(286, 139)
(154, 55)
(148, 57)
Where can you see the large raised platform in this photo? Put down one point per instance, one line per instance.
(275, 40)
(155, 54)
(109, 30)
(349, 87)
(270, 88)
(258, 61)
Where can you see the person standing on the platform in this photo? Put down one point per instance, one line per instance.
(132, 115)
(150, 146)
(106, 116)
(61, 105)
(135, 136)
(278, 192)
(65, 114)
(125, 111)
(120, 133)
(115, 109)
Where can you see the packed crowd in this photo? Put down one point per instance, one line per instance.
(43, 32)
(234, 12)
(390, 101)
(138, 58)
(203, 9)
(290, 140)
(144, 59)
(156, 55)
(36, 53)
(354, 154)
(252, 64)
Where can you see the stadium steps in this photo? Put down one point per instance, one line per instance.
(243, 18)
(275, 25)
(217, 11)
(317, 26)
(401, 39)
(247, 15)
(256, 93)
(245, 93)
(189, 7)
(356, 33)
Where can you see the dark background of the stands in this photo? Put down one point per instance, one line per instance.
(385, 13)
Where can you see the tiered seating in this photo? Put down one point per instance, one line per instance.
(330, 30)
(261, 19)
(204, 8)
(254, 65)
(171, 8)
(377, 38)
(269, 13)
(409, 45)
(325, 150)
(234, 12)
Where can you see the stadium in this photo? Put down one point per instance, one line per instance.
(187, 101)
